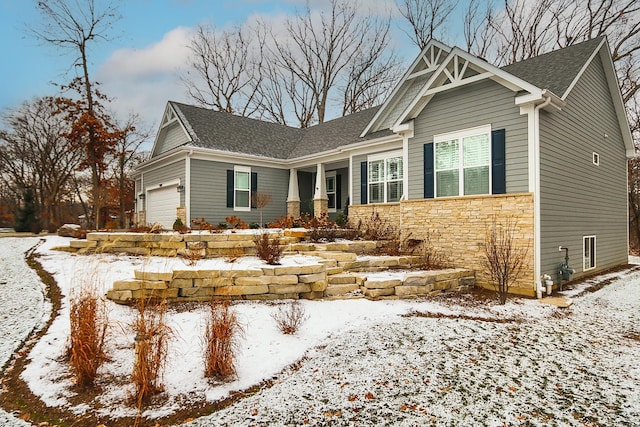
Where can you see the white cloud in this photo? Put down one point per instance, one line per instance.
(143, 80)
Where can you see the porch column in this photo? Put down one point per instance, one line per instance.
(320, 198)
(293, 199)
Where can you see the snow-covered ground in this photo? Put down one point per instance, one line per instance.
(365, 363)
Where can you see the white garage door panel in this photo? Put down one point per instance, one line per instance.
(161, 205)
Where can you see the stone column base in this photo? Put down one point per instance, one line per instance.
(141, 218)
(181, 212)
(293, 208)
(320, 206)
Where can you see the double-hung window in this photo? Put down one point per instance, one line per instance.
(242, 188)
(463, 162)
(385, 178)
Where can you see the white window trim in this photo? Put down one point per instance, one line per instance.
(595, 158)
(459, 135)
(384, 156)
(327, 175)
(595, 260)
(247, 170)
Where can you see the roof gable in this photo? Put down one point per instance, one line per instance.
(422, 68)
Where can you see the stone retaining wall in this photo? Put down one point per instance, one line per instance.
(455, 228)
(330, 278)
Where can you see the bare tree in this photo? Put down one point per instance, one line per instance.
(371, 74)
(125, 156)
(426, 18)
(35, 153)
(75, 25)
(321, 46)
(282, 94)
(225, 70)
(504, 259)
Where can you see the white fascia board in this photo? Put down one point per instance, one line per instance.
(500, 76)
(171, 156)
(162, 127)
(391, 98)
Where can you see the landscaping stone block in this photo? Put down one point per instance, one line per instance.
(212, 282)
(119, 296)
(153, 275)
(155, 293)
(134, 284)
(195, 274)
(404, 290)
(376, 293)
(241, 290)
(318, 286)
(164, 252)
(287, 279)
(240, 273)
(382, 284)
(311, 295)
(289, 289)
(309, 278)
(181, 283)
(252, 281)
(334, 270)
(341, 279)
(335, 290)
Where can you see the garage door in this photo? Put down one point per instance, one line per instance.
(161, 205)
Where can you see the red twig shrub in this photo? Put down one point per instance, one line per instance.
(267, 249)
(221, 340)
(289, 317)
(88, 329)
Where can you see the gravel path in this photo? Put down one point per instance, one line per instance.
(22, 304)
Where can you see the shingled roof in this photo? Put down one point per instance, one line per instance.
(555, 70)
(228, 132)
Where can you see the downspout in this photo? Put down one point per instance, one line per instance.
(537, 274)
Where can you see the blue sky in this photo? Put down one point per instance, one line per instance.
(139, 67)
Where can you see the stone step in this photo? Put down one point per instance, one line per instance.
(335, 290)
(341, 279)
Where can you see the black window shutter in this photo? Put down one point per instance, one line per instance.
(338, 192)
(254, 188)
(363, 183)
(428, 171)
(229, 188)
(498, 162)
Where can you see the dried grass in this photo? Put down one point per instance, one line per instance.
(152, 335)
(222, 332)
(88, 328)
(289, 317)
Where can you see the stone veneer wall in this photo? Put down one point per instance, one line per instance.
(364, 213)
(456, 228)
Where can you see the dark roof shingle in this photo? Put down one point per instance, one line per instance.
(555, 70)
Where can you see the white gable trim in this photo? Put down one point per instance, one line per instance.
(457, 79)
(176, 118)
(427, 56)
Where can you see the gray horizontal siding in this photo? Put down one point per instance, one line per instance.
(170, 137)
(356, 178)
(209, 192)
(163, 175)
(476, 104)
(578, 198)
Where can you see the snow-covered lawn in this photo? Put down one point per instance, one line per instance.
(363, 362)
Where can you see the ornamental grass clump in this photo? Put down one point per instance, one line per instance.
(222, 332)
(152, 335)
(88, 328)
